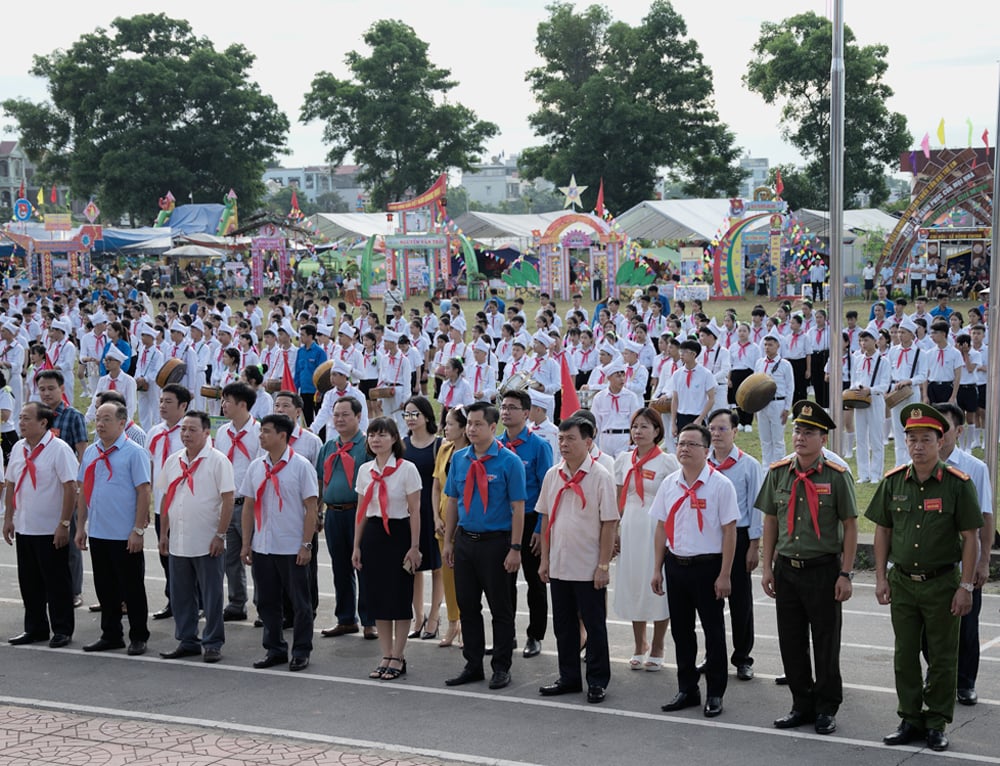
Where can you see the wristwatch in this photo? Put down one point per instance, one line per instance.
(848, 575)
(515, 547)
(64, 523)
(967, 586)
(221, 536)
(307, 546)
(604, 567)
(139, 530)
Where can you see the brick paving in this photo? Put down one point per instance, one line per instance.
(35, 737)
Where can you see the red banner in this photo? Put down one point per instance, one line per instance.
(436, 192)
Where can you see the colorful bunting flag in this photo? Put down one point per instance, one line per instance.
(940, 132)
(968, 121)
(41, 196)
(779, 185)
(53, 195)
(599, 207)
(913, 162)
(925, 144)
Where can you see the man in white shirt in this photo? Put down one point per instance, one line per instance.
(149, 360)
(197, 506)
(694, 548)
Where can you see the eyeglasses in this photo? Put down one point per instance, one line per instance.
(691, 445)
(719, 429)
(411, 415)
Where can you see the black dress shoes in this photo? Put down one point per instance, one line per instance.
(59, 640)
(781, 680)
(532, 648)
(744, 672)
(135, 648)
(701, 667)
(298, 663)
(682, 700)
(340, 630)
(103, 645)
(825, 723)
(465, 677)
(163, 613)
(713, 707)
(595, 694)
(793, 720)
(233, 615)
(25, 638)
(936, 740)
(965, 696)
(905, 734)
(560, 687)
(270, 661)
(500, 679)
(212, 655)
(181, 651)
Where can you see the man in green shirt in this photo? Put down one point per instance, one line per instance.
(928, 515)
(809, 541)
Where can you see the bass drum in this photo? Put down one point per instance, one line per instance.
(855, 400)
(321, 378)
(756, 392)
(172, 371)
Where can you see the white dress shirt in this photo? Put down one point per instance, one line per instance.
(717, 496)
(194, 515)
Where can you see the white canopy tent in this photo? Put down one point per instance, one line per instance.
(676, 219)
(485, 226)
(337, 226)
(861, 220)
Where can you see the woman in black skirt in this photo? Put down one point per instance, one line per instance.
(386, 533)
(421, 448)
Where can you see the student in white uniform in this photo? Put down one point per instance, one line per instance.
(613, 408)
(870, 374)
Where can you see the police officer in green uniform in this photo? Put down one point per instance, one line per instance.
(928, 515)
(810, 538)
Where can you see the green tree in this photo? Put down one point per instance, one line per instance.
(149, 107)
(394, 116)
(280, 203)
(622, 102)
(792, 67)
(332, 202)
(802, 188)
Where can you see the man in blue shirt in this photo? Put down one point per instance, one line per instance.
(114, 496)
(307, 359)
(536, 456)
(883, 298)
(942, 310)
(484, 526)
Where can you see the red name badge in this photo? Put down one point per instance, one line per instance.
(647, 474)
(822, 489)
(932, 504)
(699, 504)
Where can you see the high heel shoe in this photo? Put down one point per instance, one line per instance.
(418, 631)
(454, 633)
(426, 635)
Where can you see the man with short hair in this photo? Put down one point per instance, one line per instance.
(578, 513)
(392, 297)
(39, 498)
(307, 359)
(196, 486)
(692, 389)
(340, 378)
(279, 522)
(482, 541)
(114, 498)
(771, 420)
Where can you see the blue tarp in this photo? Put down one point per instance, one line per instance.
(196, 219)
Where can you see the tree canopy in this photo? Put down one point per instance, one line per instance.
(148, 107)
(393, 116)
(622, 102)
(792, 67)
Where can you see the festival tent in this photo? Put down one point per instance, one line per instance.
(195, 251)
(861, 220)
(195, 219)
(484, 226)
(683, 220)
(336, 226)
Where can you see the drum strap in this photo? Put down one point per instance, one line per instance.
(913, 367)
(875, 371)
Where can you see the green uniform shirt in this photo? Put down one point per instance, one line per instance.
(926, 518)
(340, 490)
(836, 503)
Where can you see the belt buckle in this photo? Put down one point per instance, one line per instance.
(797, 564)
(918, 577)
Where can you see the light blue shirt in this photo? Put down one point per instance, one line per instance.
(111, 512)
(748, 477)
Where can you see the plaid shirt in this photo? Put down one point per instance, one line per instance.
(70, 426)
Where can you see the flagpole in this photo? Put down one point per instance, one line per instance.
(993, 315)
(836, 243)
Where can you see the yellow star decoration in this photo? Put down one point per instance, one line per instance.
(573, 192)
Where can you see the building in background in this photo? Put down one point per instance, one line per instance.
(313, 181)
(758, 167)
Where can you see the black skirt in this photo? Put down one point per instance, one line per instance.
(388, 588)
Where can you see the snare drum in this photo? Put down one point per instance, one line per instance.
(273, 385)
(383, 392)
(211, 392)
(172, 371)
(900, 395)
(855, 400)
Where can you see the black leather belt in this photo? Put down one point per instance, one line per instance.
(807, 563)
(477, 536)
(925, 576)
(239, 501)
(342, 506)
(686, 561)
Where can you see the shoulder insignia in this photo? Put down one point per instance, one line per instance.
(897, 469)
(781, 463)
(956, 472)
(835, 466)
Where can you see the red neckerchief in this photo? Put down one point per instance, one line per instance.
(572, 484)
(165, 435)
(29, 464)
(636, 470)
(690, 493)
(344, 453)
(88, 474)
(383, 494)
(187, 474)
(812, 497)
(476, 478)
(270, 475)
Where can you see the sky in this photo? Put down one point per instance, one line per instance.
(942, 57)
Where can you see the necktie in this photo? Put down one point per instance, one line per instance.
(689, 373)
(88, 475)
(344, 453)
(29, 464)
(812, 498)
(902, 352)
(187, 474)
(270, 475)
(476, 478)
(237, 444)
(568, 484)
(690, 493)
(112, 385)
(165, 436)
(378, 479)
(636, 470)
(941, 357)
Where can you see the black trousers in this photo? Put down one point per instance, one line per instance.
(817, 290)
(273, 575)
(820, 386)
(119, 576)
(799, 377)
(478, 570)
(164, 561)
(682, 419)
(807, 609)
(46, 586)
(741, 602)
(538, 597)
(939, 392)
(288, 608)
(573, 600)
(308, 407)
(690, 592)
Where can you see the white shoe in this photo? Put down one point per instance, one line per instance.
(748, 429)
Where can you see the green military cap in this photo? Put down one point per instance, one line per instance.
(808, 413)
(922, 415)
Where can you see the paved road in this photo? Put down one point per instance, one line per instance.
(333, 702)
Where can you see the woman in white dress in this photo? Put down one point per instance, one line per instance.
(638, 472)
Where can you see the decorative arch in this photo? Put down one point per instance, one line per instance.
(564, 235)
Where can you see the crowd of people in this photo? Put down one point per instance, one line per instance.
(323, 421)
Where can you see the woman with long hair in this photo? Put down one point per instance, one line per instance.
(385, 541)
(455, 439)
